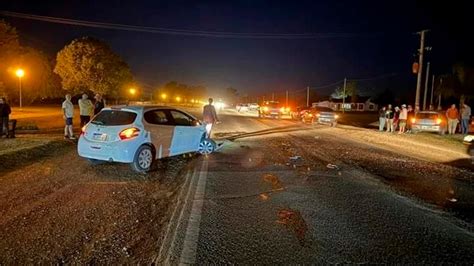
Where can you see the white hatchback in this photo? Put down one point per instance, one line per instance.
(138, 135)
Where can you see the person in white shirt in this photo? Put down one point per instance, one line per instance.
(403, 119)
(86, 108)
(68, 114)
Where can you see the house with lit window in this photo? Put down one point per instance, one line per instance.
(361, 104)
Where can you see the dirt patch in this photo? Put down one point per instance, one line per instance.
(62, 210)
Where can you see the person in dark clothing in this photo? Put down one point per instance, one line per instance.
(382, 118)
(410, 116)
(5, 112)
(389, 114)
(99, 103)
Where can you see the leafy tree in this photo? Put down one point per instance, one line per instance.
(351, 90)
(88, 64)
(9, 49)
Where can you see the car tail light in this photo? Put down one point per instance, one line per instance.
(413, 120)
(129, 133)
(336, 116)
(282, 109)
(287, 109)
(265, 109)
(310, 115)
(439, 120)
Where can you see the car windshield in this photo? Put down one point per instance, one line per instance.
(427, 116)
(114, 118)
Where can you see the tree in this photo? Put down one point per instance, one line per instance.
(351, 90)
(231, 95)
(39, 81)
(9, 49)
(88, 64)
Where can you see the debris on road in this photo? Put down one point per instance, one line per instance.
(274, 180)
(332, 166)
(295, 158)
(294, 220)
(264, 196)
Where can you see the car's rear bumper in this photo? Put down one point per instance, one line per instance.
(122, 152)
(427, 128)
(323, 120)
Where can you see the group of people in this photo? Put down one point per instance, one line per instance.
(396, 119)
(400, 119)
(87, 109)
(454, 116)
(5, 112)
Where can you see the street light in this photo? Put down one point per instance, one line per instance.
(20, 73)
(132, 91)
(178, 99)
(163, 96)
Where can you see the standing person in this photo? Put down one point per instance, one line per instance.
(396, 118)
(465, 116)
(453, 115)
(410, 116)
(99, 103)
(5, 112)
(86, 109)
(389, 118)
(68, 114)
(382, 118)
(403, 119)
(209, 116)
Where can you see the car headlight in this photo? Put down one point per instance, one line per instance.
(413, 120)
(336, 116)
(265, 109)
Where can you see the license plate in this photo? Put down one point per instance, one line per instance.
(99, 136)
(325, 119)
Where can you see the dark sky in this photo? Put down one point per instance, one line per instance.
(381, 40)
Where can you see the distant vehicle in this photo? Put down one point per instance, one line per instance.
(429, 121)
(242, 107)
(253, 106)
(320, 115)
(272, 109)
(138, 135)
(469, 141)
(298, 113)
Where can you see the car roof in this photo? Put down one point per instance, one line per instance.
(428, 112)
(138, 108)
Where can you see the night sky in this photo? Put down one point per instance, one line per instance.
(380, 40)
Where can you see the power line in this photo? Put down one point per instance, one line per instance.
(376, 77)
(215, 34)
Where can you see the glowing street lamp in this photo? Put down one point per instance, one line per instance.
(20, 73)
(178, 99)
(132, 91)
(163, 96)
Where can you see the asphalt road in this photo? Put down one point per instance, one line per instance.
(348, 195)
(251, 204)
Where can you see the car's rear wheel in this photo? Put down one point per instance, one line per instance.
(143, 159)
(206, 146)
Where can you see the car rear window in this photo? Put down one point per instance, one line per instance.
(324, 109)
(114, 118)
(427, 116)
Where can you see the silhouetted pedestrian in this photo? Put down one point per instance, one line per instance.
(5, 112)
(99, 103)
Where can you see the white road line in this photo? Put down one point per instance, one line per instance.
(188, 254)
(164, 255)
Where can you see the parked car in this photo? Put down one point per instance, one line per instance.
(138, 135)
(469, 141)
(253, 106)
(272, 109)
(242, 107)
(429, 121)
(320, 115)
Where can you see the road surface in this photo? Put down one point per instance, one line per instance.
(347, 195)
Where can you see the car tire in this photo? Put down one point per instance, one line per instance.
(206, 146)
(143, 159)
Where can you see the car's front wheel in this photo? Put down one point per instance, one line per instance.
(206, 146)
(143, 159)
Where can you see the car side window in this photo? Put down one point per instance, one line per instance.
(181, 119)
(156, 117)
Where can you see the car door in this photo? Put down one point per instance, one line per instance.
(160, 125)
(187, 133)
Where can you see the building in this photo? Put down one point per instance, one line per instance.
(363, 104)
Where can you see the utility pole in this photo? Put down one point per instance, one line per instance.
(420, 69)
(432, 89)
(439, 96)
(287, 98)
(344, 96)
(307, 96)
(427, 77)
